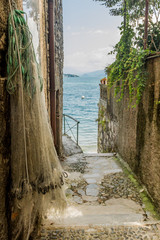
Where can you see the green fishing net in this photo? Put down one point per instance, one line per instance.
(36, 174)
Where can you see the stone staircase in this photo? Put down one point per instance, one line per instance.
(102, 233)
(103, 203)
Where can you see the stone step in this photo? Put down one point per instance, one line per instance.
(113, 222)
(128, 232)
(103, 204)
(124, 212)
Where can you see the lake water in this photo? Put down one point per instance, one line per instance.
(84, 110)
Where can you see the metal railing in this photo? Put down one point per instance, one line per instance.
(67, 128)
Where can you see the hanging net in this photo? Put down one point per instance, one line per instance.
(36, 174)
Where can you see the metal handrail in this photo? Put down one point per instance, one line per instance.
(70, 128)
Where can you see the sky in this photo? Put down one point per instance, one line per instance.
(89, 34)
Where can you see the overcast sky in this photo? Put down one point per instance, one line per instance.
(89, 34)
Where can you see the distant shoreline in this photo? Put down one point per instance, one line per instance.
(70, 75)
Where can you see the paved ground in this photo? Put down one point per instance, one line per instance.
(103, 203)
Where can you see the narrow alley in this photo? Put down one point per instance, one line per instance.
(104, 202)
(95, 62)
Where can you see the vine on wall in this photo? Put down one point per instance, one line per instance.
(129, 69)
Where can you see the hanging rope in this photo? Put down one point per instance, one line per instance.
(21, 87)
(37, 176)
(20, 44)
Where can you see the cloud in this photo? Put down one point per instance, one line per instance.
(87, 49)
(68, 28)
(88, 61)
(76, 33)
(89, 32)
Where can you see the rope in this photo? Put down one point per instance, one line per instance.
(22, 93)
(27, 53)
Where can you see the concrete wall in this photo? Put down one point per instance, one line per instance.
(135, 132)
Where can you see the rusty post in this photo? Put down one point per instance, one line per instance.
(52, 69)
(146, 24)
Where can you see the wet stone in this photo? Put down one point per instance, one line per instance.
(90, 180)
(89, 198)
(74, 185)
(69, 192)
(99, 190)
(117, 185)
(92, 190)
(81, 192)
(109, 233)
(78, 199)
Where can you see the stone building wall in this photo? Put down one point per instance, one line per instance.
(41, 9)
(4, 97)
(107, 122)
(44, 49)
(135, 132)
(4, 124)
(59, 57)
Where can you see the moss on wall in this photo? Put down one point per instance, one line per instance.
(138, 131)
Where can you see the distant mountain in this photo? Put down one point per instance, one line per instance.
(70, 75)
(98, 74)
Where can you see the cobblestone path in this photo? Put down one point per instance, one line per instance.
(104, 202)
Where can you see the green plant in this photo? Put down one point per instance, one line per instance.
(101, 118)
(128, 72)
(129, 69)
(147, 201)
(20, 54)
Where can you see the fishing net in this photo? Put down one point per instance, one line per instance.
(36, 174)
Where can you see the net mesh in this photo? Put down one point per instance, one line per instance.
(37, 177)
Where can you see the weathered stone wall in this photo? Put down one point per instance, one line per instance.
(4, 159)
(37, 11)
(58, 28)
(107, 122)
(135, 132)
(44, 49)
(4, 97)
(4, 118)
(41, 9)
(44, 55)
(4, 124)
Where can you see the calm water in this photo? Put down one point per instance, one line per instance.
(84, 110)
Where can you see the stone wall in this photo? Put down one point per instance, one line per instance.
(40, 9)
(4, 159)
(107, 122)
(59, 56)
(135, 132)
(4, 97)
(4, 129)
(4, 124)
(44, 49)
